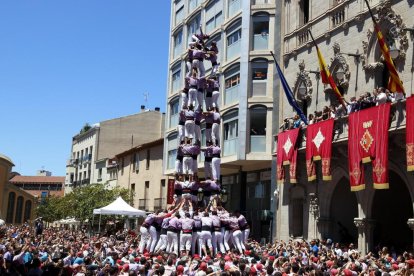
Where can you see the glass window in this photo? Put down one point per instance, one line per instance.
(176, 78)
(214, 15)
(172, 151)
(259, 78)
(260, 32)
(234, 37)
(193, 27)
(178, 43)
(179, 15)
(230, 133)
(174, 113)
(193, 4)
(233, 44)
(231, 85)
(234, 7)
(258, 129)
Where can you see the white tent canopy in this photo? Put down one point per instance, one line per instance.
(119, 207)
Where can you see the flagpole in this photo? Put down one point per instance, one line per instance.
(370, 12)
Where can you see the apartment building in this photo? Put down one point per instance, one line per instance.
(345, 35)
(93, 149)
(140, 171)
(245, 32)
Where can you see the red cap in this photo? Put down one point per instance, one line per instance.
(253, 270)
(247, 252)
(347, 272)
(259, 266)
(334, 271)
(226, 267)
(395, 267)
(203, 266)
(125, 267)
(118, 261)
(271, 258)
(196, 257)
(316, 259)
(329, 263)
(159, 257)
(180, 268)
(79, 254)
(410, 263)
(227, 258)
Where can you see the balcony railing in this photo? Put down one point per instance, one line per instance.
(143, 204)
(159, 203)
(260, 41)
(233, 50)
(341, 127)
(229, 147)
(231, 95)
(72, 162)
(258, 143)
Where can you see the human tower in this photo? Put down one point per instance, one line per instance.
(193, 224)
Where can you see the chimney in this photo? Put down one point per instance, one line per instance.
(157, 109)
(142, 108)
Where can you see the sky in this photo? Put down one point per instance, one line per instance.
(70, 62)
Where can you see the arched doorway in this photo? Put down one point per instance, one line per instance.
(390, 211)
(344, 208)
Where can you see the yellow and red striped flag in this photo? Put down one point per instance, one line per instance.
(394, 83)
(326, 75)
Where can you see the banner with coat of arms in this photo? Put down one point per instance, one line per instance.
(287, 153)
(410, 133)
(319, 147)
(368, 141)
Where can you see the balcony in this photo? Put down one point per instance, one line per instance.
(159, 203)
(72, 162)
(229, 147)
(111, 164)
(258, 143)
(233, 50)
(231, 95)
(143, 204)
(260, 41)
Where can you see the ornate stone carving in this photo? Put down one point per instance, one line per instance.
(340, 62)
(392, 27)
(359, 223)
(410, 223)
(303, 77)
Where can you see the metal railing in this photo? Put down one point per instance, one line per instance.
(143, 204)
(159, 203)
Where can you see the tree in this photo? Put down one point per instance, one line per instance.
(80, 203)
(85, 128)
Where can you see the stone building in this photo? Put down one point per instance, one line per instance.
(344, 33)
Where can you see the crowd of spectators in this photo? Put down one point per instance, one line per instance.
(379, 96)
(64, 252)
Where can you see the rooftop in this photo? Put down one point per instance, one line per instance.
(37, 179)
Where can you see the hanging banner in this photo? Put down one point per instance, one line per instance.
(170, 191)
(409, 130)
(319, 147)
(287, 153)
(368, 141)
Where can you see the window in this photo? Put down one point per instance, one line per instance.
(234, 7)
(132, 194)
(172, 151)
(193, 4)
(304, 12)
(174, 112)
(10, 207)
(214, 15)
(259, 78)
(179, 15)
(178, 43)
(230, 133)
(148, 158)
(260, 32)
(135, 164)
(193, 27)
(19, 210)
(258, 129)
(27, 210)
(100, 174)
(122, 166)
(176, 78)
(231, 85)
(146, 184)
(233, 44)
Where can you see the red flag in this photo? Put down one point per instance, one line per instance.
(287, 153)
(409, 132)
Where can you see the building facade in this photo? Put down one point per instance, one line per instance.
(245, 32)
(93, 149)
(344, 33)
(40, 186)
(16, 205)
(140, 171)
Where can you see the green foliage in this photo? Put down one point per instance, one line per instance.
(80, 202)
(85, 128)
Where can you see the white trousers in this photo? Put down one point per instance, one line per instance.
(205, 238)
(154, 239)
(246, 234)
(189, 67)
(181, 132)
(216, 133)
(215, 163)
(218, 244)
(162, 243)
(188, 165)
(185, 242)
(200, 67)
(184, 100)
(208, 172)
(172, 242)
(215, 97)
(197, 132)
(178, 166)
(208, 134)
(189, 128)
(200, 98)
(214, 70)
(227, 237)
(237, 239)
(192, 95)
(194, 240)
(195, 166)
(145, 238)
(209, 102)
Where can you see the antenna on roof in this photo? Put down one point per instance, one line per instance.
(146, 95)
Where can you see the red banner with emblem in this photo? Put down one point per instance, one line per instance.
(410, 133)
(319, 147)
(287, 153)
(170, 191)
(368, 141)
